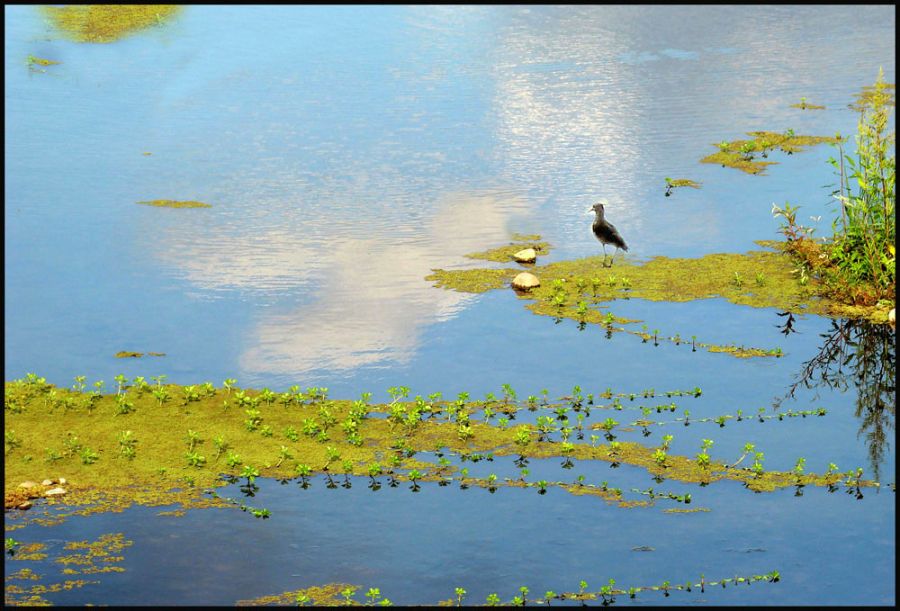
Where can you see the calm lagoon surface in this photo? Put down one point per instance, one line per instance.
(346, 152)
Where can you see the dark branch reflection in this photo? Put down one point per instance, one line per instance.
(859, 354)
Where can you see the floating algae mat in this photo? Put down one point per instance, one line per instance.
(504, 254)
(86, 558)
(105, 23)
(335, 594)
(679, 182)
(574, 289)
(747, 155)
(159, 444)
(170, 203)
(802, 105)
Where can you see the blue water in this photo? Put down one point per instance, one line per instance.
(347, 151)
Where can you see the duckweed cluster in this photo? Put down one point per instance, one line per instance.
(106, 23)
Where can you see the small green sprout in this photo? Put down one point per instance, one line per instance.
(460, 594)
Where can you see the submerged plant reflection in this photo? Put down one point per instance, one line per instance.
(861, 354)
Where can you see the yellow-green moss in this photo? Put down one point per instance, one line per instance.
(58, 431)
(170, 203)
(805, 106)
(105, 23)
(576, 289)
(32, 60)
(328, 595)
(742, 154)
(682, 182)
(504, 254)
(472, 280)
(757, 278)
(526, 237)
(93, 557)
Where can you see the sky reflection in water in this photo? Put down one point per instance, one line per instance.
(347, 151)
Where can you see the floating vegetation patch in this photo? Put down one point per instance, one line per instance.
(342, 594)
(472, 280)
(504, 254)
(105, 23)
(31, 61)
(106, 550)
(90, 558)
(329, 595)
(802, 105)
(575, 289)
(164, 444)
(170, 203)
(124, 354)
(679, 182)
(746, 155)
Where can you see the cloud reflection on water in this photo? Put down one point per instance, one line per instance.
(368, 300)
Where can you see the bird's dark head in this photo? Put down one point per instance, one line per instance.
(598, 208)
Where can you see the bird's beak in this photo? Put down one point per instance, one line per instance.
(590, 210)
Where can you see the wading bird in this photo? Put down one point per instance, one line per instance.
(605, 232)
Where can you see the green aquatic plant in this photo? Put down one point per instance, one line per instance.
(221, 446)
(233, 460)
(12, 545)
(123, 405)
(10, 442)
(161, 395)
(127, 443)
(88, 456)
(607, 426)
(757, 466)
(194, 459)
(703, 456)
(283, 454)
(193, 439)
(659, 455)
(254, 419)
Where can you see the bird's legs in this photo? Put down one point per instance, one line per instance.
(611, 259)
(604, 254)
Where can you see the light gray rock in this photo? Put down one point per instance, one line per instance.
(47, 482)
(892, 317)
(525, 282)
(28, 484)
(62, 481)
(55, 491)
(527, 255)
